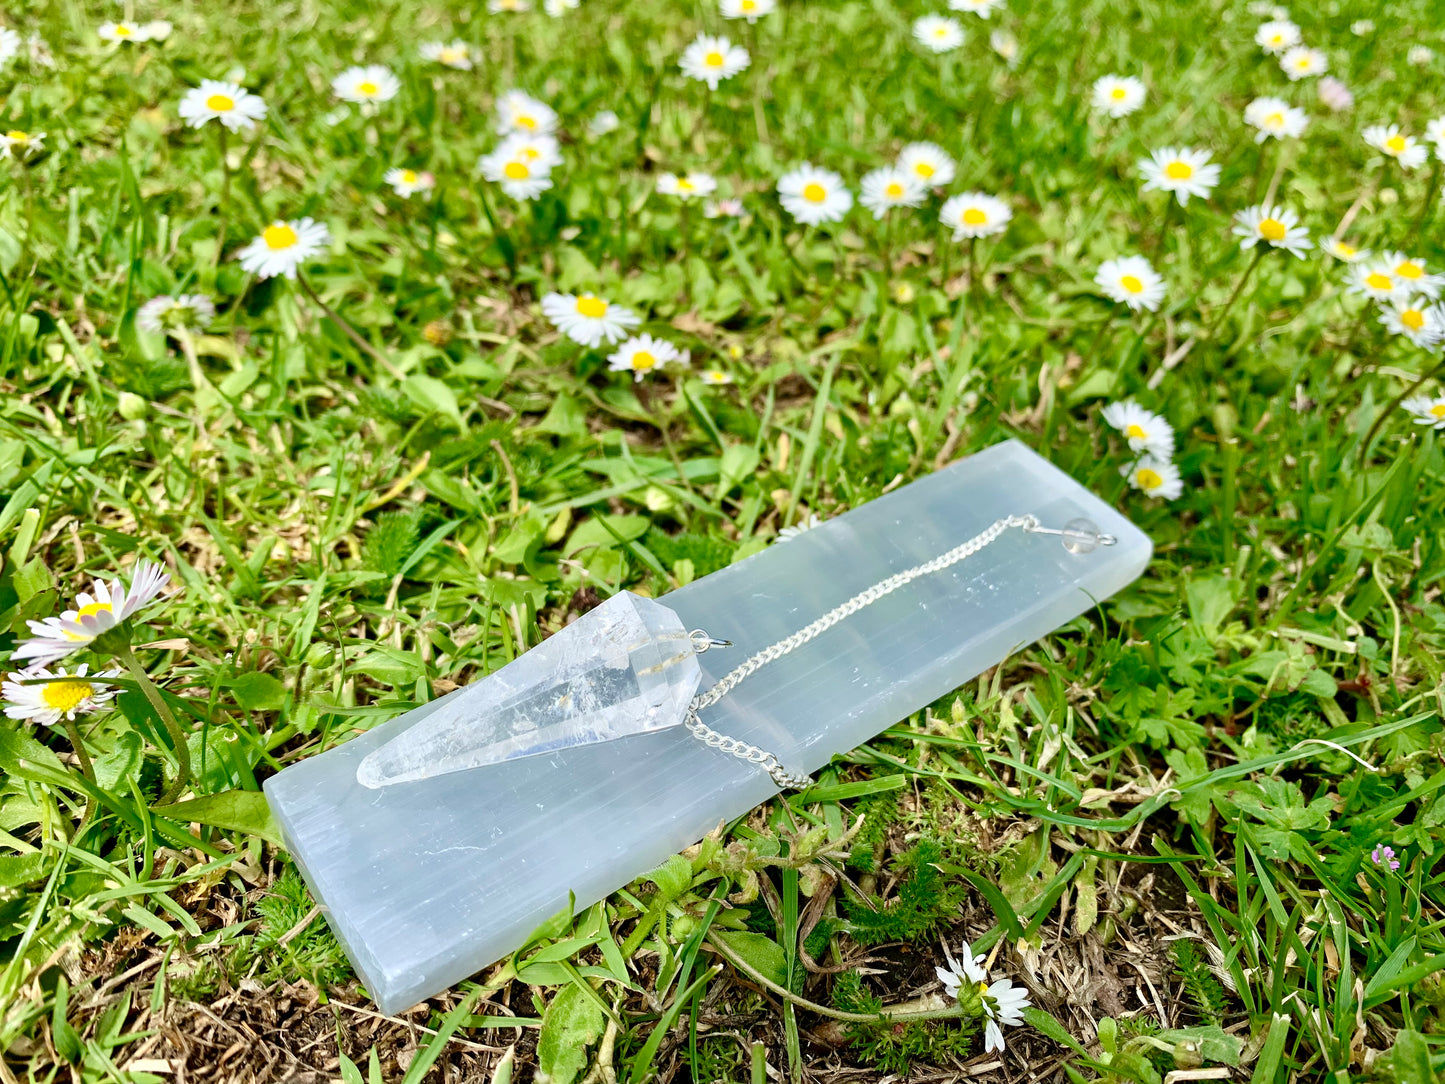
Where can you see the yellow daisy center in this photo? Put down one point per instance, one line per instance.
(451, 56)
(924, 170)
(1276, 39)
(66, 695)
(87, 611)
(1148, 479)
(516, 171)
(1275, 120)
(1438, 410)
(941, 32)
(815, 193)
(974, 217)
(1345, 249)
(684, 185)
(278, 237)
(749, 5)
(17, 136)
(1409, 270)
(408, 176)
(643, 361)
(1272, 229)
(1303, 63)
(523, 121)
(1377, 281)
(717, 376)
(220, 103)
(123, 31)
(1413, 319)
(367, 87)
(1179, 171)
(1134, 286)
(894, 191)
(1395, 144)
(713, 60)
(1136, 432)
(1118, 94)
(983, 988)
(594, 308)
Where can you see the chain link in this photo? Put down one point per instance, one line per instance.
(735, 677)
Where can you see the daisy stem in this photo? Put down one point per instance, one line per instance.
(1431, 189)
(1239, 289)
(758, 977)
(77, 743)
(173, 729)
(225, 209)
(1394, 405)
(351, 332)
(29, 216)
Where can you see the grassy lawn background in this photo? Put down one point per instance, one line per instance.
(1162, 817)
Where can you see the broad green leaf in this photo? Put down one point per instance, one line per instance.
(238, 810)
(258, 692)
(761, 953)
(571, 1024)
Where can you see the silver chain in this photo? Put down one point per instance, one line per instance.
(751, 753)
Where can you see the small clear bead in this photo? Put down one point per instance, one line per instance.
(1081, 536)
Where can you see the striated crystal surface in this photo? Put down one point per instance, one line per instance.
(625, 667)
(427, 883)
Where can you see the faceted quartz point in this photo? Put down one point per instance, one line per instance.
(626, 667)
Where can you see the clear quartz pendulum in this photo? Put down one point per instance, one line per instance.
(630, 667)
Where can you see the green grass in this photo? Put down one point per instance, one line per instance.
(1185, 786)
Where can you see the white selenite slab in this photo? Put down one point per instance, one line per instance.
(428, 882)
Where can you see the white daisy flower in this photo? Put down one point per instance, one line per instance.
(119, 32)
(18, 144)
(937, 33)
(1413, 318)
(1275, 226)
(452, 54)
(234, 106)
(587, 319)
(1343, 250)
(892, 186)
(975, 214)
(1334, 95)
(1145, 431)
(1362, 28)
(1406, 150)
(711, 59)
(928, 162)
(283, 247)
(1374, 280)
(97, 611)
(404, 182)
(1427, 411)
(1005, 45)
(1132, 281)
(541, 151)
(688, 186)
(501, 7)
(979, 7)
(1117, 95)
(807, 523)
(751, 10)
(1154, 477)
(970, 972)
(1277, 35)
(1275, 119)
(366, 85)
(715, 377)
(520, 177)
(1301, 62)
(723, 208)
(187, 312)
(1003, 1003)
(603, 122)
(157, 30)
(39, 696)
(518, 111)
(812, 195)
(1180, 170)
(1419, 55)
(10, 43)
(1410, 272)
(557, 8)
(1435, 135)
(643, 354)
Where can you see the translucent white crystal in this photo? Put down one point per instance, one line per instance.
(625, 667)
